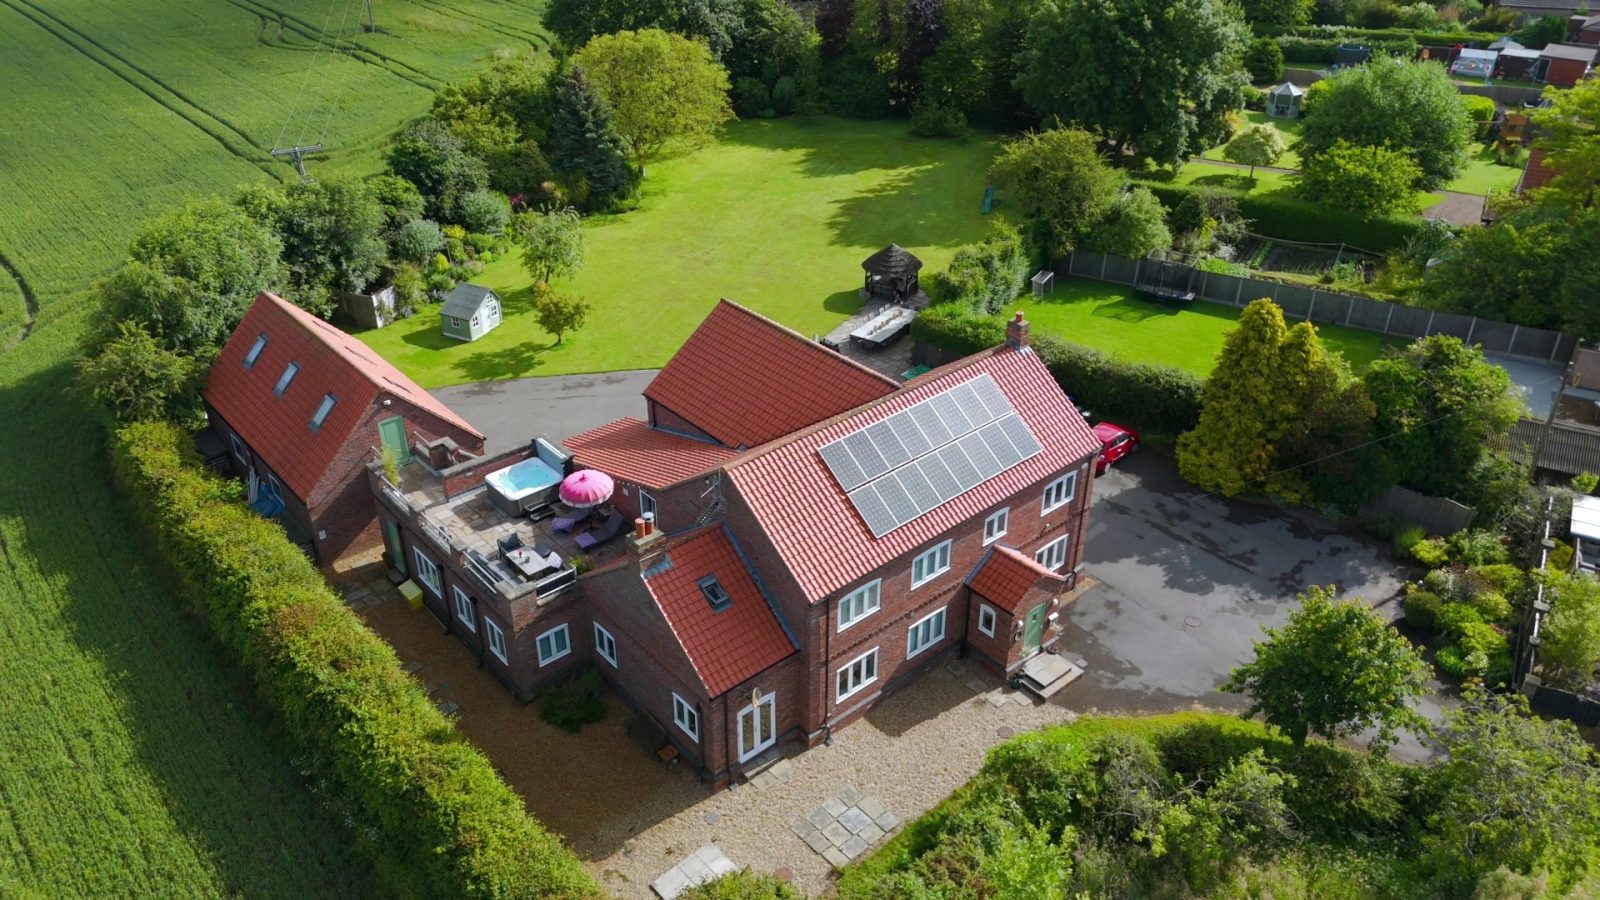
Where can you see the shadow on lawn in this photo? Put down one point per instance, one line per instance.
(840, 146)
(517, 361)
(913, 209)
(843, 302)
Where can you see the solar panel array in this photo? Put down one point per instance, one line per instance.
(897, 469)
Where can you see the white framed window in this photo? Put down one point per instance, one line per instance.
(858, 673)
(647, 506)
(986, 619)
(475, 322)
(276, 485)
(930, 564)
(464, 607)
(860, 603)
(284, 379)
(497, 640)
(255, 351)
(554, 644)
(995, 526)
(1054, 554)
(925, 632)
(1059, 493)
(605, 644)
(239, 449)
(427, 572)
(325, 407)
(685, 716)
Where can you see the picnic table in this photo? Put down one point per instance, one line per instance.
(884, 327)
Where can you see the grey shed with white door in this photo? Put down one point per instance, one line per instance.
(470, 312)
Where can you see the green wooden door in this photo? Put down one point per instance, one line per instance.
(397, 551)
(393, 434)
(1033, 631)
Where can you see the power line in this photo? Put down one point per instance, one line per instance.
(300, 95)
(333, 106)
(332, 55)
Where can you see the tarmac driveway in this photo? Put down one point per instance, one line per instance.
(1187, 579)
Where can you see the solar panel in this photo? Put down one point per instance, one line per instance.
(905, 465)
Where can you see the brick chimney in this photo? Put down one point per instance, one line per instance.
(644, 541)
(1017, 331)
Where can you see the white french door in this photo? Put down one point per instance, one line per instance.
(758, 726)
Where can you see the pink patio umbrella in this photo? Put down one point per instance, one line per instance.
(586, 487)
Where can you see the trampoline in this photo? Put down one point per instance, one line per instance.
(1165, 279)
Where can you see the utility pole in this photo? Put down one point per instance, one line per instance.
(298, 154)
(1549, 421)
(370, 27)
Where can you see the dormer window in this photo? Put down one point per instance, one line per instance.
(322, 412)
(715, 594)
(288, 376)
(255, 351)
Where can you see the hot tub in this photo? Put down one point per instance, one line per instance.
(523, 486)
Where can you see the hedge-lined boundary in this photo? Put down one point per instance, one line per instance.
(422, 801)
(1351, 34)
(1292, 220)
(1151, 398)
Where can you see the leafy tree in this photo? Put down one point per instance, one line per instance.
(1568, 131)
(1278, 12)
(1438, 405)
(438, 162)
(833, 26)
(1166, 88)
(662, 87)
(1419, 17)
(1059, 182)
(1257, 145)
(1206, 217)
(1366, 180)
(499, 117)
(1136, 225)
(399, 200)
(1243, 810)
(191, 275)
(1541, 31)
(1512, 790)
(1570, 637)
(558, 312)
(1263, 59)
(923, 32)
(332, 234)
(418, 240)
(1323, 454)
(574, 22)
(484, 212)
(589, 156)
(137, 378)
(1335, 669)
(552, 243)
(1026, 864)
(1410, 107)
(1512, 270)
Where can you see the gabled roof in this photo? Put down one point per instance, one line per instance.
(744, 379)
(464, 301)
(810, 520)
(331, 362)
(1005, 576)
(725, 647)
(631, 450)
(891, 262)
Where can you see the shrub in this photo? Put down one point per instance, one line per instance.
(1431, 552)
(417, 241)
(986, 276)
(742, 885)
(751, 98)
(1492, 605)
(1264, 61)
(1456, 663)
(1560, 559)
(1454, 618)
(1585, 482)
(423, 802)
(1422, 609)
(852, 86)
(1479, 109)
(1503, 578)
(1477, 548)
(573, 704)
(136, 378)
(1288, 217)
(1407, 538)
(931, 119)
(485, 212)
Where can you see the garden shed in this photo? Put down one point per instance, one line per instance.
(1564, 65)
(1283, 101)
(470, 312)
(892, 274)
(1516, 63)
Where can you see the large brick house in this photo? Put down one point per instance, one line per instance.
(302, 408)
(809, 536)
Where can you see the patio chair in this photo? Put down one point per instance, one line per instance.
(509, 543)
(565, 524)
(607, 530)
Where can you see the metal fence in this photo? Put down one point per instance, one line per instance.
(1333, 308)
(1436, 514)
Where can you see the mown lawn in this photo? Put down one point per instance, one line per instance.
(1277, 184)
(1129, 327)
(1288, 129)
(778, 216)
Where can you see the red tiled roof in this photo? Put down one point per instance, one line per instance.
(745, 380)
(1536, 173)
(331, 362)
(724, 647)
(1006, 575)
(631, 450)
(809, 519)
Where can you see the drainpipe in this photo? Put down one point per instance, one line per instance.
(827, 653)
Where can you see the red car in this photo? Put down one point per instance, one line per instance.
(1118, 442)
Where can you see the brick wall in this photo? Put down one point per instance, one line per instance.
(468, 475)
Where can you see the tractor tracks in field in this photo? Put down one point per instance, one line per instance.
(514, 32)
(356, 51)
(29, 301)
(230, 136)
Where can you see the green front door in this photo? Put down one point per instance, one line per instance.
(393, 434)
(391, 538)
(1033, 632)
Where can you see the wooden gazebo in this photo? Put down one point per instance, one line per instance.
(892, 274)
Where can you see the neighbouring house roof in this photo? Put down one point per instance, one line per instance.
(1535, 175)
(811, 521)
(330, 362)
(1590, 24)
(725, 647)
(1506, 44)
(1005, 576)
(1585, 369)
(1568, 448)
(1519, 53)
(1290, 88)
(892, 262)
(1584, 54)
(745, 380)
(464, 301)
(631, 450)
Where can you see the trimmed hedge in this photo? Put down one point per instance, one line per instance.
(1289, 219)
(1151, 398)
(1323, 50)
(1353, 35)
(422, 801)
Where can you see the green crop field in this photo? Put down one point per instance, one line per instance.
(778, 216)
(1129, 327)
(131, 759)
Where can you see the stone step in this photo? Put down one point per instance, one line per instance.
(1047, 674)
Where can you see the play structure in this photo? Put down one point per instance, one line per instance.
(1165, 276)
